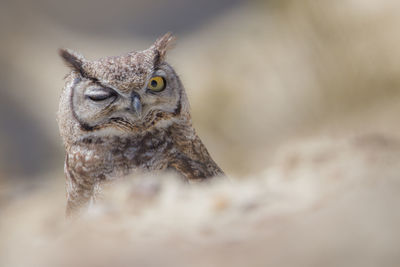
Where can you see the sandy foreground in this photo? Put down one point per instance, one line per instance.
(321, 202)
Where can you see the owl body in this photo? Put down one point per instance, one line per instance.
(126, 114)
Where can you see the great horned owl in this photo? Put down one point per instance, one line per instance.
(122, 114)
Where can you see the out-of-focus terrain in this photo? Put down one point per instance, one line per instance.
(298, 101)
(321, 203)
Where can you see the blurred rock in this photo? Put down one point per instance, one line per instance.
(322, 202)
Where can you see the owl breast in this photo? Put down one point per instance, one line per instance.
(103, 158)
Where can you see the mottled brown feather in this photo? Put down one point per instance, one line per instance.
(105, 142)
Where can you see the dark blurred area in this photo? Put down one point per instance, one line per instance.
(118, 18)
(258, 73)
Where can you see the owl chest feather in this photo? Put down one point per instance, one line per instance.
(93, 161)
(103, 158)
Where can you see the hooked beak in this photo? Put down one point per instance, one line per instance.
(136, 104)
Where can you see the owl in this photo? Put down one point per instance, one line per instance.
(126, 114)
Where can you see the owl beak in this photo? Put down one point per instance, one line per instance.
(136, 104)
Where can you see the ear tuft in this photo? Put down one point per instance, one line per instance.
(73, 59)
(162, 45)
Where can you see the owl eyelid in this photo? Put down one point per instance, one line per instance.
(158, 72)
(158, 75)
(100, 94)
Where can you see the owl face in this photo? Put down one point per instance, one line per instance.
(130, 93)
(97, 103)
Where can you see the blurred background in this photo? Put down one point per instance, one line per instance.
(258, 73)
(301, 97)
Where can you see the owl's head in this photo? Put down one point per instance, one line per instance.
(127, 94)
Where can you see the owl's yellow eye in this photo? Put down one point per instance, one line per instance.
(156, 84)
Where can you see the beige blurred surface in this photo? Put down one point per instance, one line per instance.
(321, 202)
(264, 79)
